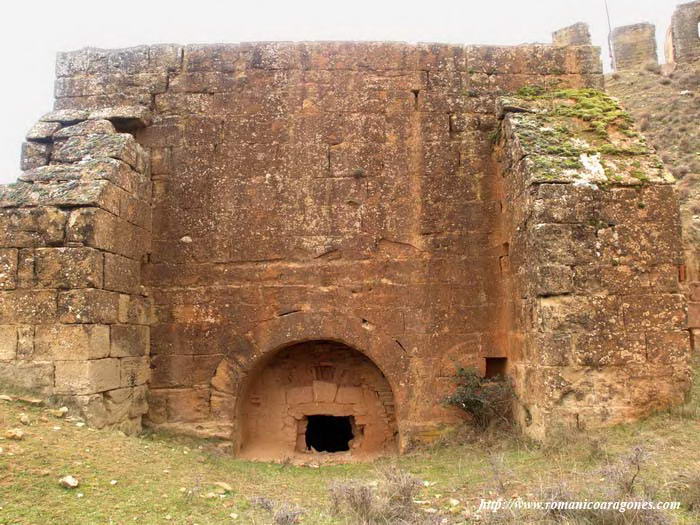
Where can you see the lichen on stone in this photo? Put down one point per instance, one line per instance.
(580, 135)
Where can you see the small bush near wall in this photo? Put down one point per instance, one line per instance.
(488, 400)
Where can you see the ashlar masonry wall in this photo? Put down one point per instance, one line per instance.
(74, 229)
(634, 46)
(683, 38)
(302, 193)
(595, 231)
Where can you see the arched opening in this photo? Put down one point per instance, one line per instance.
(318, 397)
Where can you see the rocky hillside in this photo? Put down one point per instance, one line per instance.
(666, 107)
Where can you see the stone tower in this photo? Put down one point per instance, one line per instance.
(634, 46)
(683, 40)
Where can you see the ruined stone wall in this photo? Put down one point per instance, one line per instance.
(595, 254)
(330, 192)
(574, 35)
(683, 39)
(73, 231)
(634, 46)
(319, 192)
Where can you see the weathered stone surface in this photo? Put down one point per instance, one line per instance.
(134, 309)
(379, 202)
(65, 116)
(104, 231)
(118, 173)
(71, 342)
(68, 268)
(682, 42)
(69, 194)
(120, 146)
(8, 268)
(43, 131)
(129, 341)
(32, 227)
(596, 269)
(87, 127)
(31, 375)
(634, 46)
(88, 305)
(122, 274)
(34, 154)
(135, 371)
(575, 35)
(87, 377)
(8, 342)
(130, 117)
(92, 407)
(27, 306)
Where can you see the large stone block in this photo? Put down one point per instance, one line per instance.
(115, 171)
(188, 404)
(129, 340)
(610, 349)
(122, 274)
(34, 154)
(32, 227)
(172, 371)
(135, 309)
(8, 268)
(27, 306)
(42, 131)
(87, 127)
(71, 342)
(37, 376)
(657, 312)
(135, 371)
(87, 377)
(88, 306)
(92, 408)
(105, 231)
(137, 85)
(68, 268)
(72, 193)
(8, 342)
(120, 146)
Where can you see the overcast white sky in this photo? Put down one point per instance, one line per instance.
(31, 32)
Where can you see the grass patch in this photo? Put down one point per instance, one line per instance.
(160, 478)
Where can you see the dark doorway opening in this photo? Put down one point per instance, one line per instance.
(496, 366)
(329, 433)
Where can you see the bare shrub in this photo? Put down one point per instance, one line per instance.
(624, 474)
(653, 67)
(644, 123)
(502, 476)
(287, 514)
(688, 492)
(282, 513)
(680, 171)
(390, 501)
(264, 503)
(488, 400)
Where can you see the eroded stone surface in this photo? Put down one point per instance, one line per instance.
(634, 46)
(202, 211)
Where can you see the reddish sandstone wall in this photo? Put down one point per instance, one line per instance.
(334, 192)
